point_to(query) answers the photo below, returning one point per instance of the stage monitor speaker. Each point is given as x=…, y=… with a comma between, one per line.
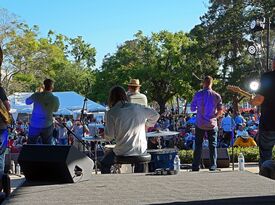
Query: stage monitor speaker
x=58, y=163
x=223, y=159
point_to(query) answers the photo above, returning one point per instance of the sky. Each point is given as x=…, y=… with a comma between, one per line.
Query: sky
x=106, y=24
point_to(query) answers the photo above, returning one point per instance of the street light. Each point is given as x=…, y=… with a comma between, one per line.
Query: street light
x=254, y=86
x=259, y=25
x=254, y=48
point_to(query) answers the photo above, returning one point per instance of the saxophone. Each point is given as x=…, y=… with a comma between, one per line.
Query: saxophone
x=4, y=113
x=39, y=89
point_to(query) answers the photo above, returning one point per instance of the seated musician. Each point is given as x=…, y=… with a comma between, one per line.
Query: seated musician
x=126, y=123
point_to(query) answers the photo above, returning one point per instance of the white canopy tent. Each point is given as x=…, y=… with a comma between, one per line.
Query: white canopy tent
x=70, y=102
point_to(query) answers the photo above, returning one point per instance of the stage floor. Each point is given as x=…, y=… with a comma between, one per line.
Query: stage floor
x=224, y=187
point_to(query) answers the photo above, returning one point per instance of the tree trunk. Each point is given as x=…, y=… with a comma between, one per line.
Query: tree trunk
x=235, y=105
x=185, y=108
x=161, y=107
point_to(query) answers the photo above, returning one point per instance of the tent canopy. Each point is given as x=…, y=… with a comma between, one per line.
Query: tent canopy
x=69, y=101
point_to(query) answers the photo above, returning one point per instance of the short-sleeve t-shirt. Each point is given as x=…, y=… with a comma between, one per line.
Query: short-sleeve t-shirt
x=267, y=89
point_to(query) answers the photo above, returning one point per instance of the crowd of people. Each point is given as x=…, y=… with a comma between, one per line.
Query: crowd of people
x=129, y=117
x=63, y=127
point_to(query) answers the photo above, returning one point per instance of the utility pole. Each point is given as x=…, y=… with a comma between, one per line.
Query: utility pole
x=267, y=43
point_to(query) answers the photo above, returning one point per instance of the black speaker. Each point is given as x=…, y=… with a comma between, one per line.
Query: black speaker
x=58, y=163
x=223, y=160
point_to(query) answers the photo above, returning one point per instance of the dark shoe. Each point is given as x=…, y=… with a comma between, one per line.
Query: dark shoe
x=195, y=169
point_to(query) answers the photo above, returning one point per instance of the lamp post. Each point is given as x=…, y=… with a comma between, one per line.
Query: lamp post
x=259, y=25
x=267, y=43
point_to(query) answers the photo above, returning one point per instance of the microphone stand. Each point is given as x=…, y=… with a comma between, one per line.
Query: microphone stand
x=69, y=131
x=82, y=117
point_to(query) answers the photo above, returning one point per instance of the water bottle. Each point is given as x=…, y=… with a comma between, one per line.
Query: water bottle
x=18, y=169
x=12, y=167
x=177, y=164
x=241, y=162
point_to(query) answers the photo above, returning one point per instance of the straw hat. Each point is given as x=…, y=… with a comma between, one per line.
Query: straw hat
x=134, y=83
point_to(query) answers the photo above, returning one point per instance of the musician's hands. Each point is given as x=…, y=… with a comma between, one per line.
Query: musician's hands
x=257, y=100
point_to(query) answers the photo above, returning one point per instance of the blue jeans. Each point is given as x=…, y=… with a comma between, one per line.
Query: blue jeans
x=266, y=143
x=212, y=139
x=63, y=141
x=4, y=143
x=44, y=133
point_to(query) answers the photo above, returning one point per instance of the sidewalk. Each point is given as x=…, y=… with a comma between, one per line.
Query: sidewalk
x=17, y=181
x=252, y=167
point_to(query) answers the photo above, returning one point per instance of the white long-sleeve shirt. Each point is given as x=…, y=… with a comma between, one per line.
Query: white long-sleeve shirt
x=126, y=124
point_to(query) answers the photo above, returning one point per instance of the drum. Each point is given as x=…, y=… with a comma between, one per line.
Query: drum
x=162, y=158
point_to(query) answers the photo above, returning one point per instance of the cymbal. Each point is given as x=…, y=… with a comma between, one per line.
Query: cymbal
x=161, y=133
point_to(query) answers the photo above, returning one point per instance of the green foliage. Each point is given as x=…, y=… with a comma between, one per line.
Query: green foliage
x=251, y=154
x=82, y=52
x=74, y=78
x=163, y=62
x=186, y=156
x=168, y=64
x=29, y=59
x=226, y=33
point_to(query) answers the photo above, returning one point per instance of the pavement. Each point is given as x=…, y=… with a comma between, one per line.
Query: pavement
x=222, y=187
x=252, y=167
x=17, y=181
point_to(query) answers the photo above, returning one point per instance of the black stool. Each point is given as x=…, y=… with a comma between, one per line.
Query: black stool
x=140, y=159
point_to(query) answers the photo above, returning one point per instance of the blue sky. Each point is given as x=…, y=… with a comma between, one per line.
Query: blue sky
x=105, y=24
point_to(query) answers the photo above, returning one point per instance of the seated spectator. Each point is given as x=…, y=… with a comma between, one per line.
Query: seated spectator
x=190, y=139
x=62, y=133
x=245, y=141
x=239, y=119
x=241, y=130
x=192, y=120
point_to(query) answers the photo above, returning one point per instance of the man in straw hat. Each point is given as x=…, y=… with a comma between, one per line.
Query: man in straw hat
x=134, y=96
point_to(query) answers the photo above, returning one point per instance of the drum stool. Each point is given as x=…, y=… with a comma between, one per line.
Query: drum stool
x=141, y=159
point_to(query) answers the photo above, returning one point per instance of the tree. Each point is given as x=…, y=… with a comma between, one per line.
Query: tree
x=227, y=34
x=28, y=59
x=164, y=63
x=29, y=56
x=75, y=78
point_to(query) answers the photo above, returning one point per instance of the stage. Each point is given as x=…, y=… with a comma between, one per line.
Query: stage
x=204, y=187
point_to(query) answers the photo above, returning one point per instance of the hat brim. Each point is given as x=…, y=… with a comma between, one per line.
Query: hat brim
x=244, y=137
x=134, y=85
